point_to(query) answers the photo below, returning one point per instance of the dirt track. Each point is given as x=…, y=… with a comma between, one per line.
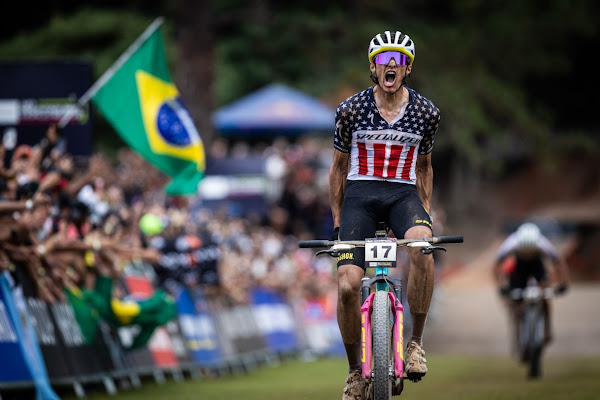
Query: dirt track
x=468, y=317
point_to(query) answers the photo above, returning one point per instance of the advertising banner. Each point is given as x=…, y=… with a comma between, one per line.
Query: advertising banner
x=198, y=328
x=52, y=350
x=83, y=358
x=35, y=94
x=275, y=320
x=178, y=342
x=320, y=326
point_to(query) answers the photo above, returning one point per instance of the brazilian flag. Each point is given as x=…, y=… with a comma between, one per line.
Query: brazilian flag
x=145, y=108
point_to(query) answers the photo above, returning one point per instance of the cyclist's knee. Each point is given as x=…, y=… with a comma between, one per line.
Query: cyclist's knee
x=417, y=232
x=349, y=280
x=418, y=260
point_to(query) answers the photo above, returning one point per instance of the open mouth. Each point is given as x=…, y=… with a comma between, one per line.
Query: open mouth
x=390, y=78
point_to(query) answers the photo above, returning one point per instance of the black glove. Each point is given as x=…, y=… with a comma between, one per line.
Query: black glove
x=336, y=233
x=504, y=291
x=562, y=288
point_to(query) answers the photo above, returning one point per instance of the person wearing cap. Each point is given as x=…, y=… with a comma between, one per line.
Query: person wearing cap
x=381, y=171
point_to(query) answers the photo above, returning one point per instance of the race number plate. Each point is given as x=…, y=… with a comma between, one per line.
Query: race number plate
x=380, y=252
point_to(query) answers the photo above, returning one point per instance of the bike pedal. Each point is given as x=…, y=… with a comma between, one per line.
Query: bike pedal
x=414, y=377
x=398, y=388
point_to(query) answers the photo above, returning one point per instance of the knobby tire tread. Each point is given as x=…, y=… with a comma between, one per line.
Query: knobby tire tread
x=380, y=320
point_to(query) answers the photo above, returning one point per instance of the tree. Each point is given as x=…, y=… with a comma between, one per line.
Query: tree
x=194, y=72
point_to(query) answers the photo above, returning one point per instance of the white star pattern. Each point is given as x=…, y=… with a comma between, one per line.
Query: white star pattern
x=358, y=113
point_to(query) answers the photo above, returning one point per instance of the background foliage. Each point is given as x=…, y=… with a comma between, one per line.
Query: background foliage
x=512, y=78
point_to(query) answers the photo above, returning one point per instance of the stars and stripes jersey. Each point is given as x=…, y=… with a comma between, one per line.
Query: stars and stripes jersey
x=382, y=150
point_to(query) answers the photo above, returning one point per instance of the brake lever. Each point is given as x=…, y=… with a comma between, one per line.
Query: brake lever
x=329, y=252
x=430, y=249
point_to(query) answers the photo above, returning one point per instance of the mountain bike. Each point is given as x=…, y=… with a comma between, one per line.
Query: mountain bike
x=532, y=322
x=382, y=340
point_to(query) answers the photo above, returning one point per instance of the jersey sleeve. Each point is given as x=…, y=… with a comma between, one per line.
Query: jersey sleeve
x=507, y=247
x=432, y=123
x=547, y=248
x=342, y=139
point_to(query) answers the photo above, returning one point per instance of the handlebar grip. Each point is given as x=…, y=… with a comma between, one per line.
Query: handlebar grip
x=449, y=239
x=314, y=243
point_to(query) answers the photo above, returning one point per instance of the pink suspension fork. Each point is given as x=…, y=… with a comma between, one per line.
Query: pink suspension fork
x=397, y=336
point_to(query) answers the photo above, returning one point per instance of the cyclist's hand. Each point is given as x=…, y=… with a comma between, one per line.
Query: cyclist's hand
x=504, y=291
x=336, y=233
x=562, y=288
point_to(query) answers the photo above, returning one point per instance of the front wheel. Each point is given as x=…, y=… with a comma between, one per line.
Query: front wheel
x=537, y=334
x=382, y=350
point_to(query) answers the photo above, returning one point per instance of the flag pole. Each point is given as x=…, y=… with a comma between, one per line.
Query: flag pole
x=87, y=96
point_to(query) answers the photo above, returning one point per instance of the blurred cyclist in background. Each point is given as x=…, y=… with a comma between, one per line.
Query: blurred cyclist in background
x=527, y=254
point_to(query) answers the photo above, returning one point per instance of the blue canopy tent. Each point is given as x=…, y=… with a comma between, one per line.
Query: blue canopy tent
x=274, y=110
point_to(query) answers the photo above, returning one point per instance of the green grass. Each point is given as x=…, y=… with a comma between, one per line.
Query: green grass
x=449, y=377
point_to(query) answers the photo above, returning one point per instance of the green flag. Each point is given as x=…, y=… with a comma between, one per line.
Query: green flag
x=144, y=107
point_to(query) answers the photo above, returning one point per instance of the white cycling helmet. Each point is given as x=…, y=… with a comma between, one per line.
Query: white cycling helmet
x=528, y=235
x=394, y=41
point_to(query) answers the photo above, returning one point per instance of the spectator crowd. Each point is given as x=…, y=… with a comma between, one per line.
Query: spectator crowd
x=67, y=221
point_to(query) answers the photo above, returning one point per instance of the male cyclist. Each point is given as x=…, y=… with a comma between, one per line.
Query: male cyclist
x=381, y=171
x=525, y=254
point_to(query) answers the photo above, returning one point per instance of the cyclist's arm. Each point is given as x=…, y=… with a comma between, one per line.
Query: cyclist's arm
x=562, y=270
x=424, y=173
x=504, y=251
x=558, y=262
x=337, y=184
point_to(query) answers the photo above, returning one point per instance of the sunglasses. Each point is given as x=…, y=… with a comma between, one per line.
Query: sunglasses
x=385, y=57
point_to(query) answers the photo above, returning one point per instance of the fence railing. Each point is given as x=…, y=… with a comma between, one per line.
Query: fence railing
x=49, y=346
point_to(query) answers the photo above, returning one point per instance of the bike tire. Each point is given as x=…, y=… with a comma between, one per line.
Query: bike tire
x=536, y=335
x=535, y=364
x=382, y=346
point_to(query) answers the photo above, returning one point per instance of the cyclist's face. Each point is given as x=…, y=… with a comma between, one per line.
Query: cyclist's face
x=391, y=75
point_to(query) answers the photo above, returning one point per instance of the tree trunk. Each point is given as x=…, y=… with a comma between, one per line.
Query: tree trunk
x=194, y=73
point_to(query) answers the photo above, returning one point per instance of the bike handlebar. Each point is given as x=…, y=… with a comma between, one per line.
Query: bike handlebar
x=448, y=239
x=315, y=243
x=401, y=242
x=536, y=293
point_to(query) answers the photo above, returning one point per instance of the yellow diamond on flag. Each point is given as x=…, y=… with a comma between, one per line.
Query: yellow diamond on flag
x=168, y=124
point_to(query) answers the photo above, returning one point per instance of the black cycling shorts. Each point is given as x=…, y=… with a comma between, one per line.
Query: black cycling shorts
x=366, y=203
x=525, y=269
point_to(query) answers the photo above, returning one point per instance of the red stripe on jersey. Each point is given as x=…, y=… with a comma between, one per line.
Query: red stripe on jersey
x=395, y=153
x=378, y=159
x=408, y=163
x=363, y=168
